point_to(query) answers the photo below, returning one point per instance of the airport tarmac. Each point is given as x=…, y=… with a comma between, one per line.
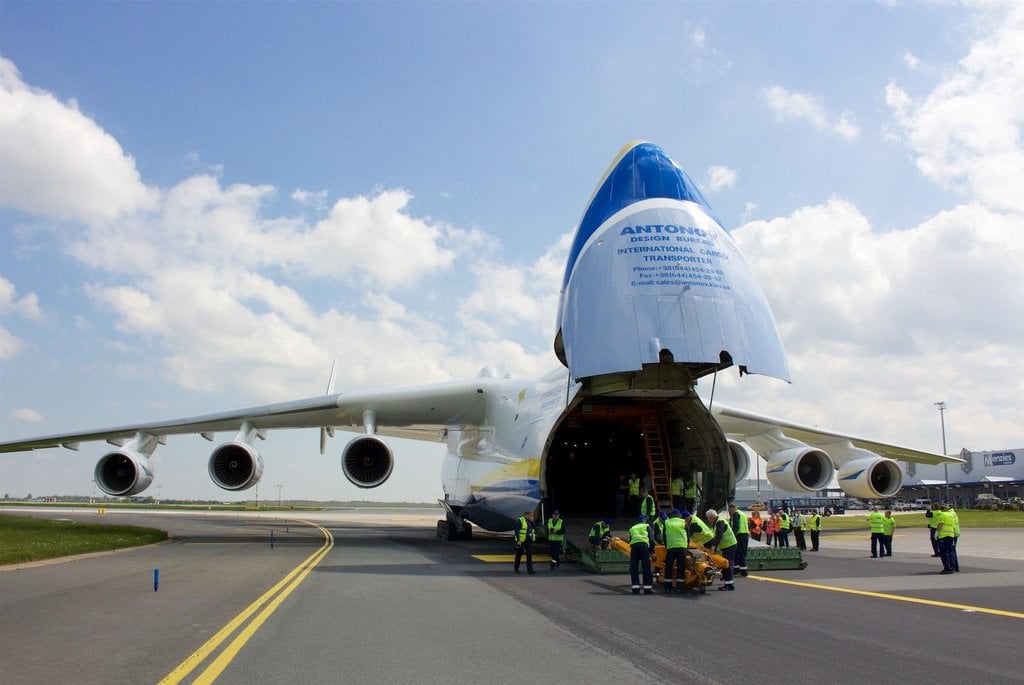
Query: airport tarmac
x=371, y=595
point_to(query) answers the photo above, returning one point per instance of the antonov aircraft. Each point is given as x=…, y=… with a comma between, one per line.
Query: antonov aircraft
x=656, y=295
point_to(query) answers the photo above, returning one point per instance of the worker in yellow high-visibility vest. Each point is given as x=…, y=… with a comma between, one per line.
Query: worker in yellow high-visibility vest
x=874, y=520
x=640, y=555
x=556, y=533
x=724, y=543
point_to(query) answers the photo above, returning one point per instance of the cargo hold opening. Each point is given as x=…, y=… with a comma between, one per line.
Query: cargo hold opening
x=594, y=446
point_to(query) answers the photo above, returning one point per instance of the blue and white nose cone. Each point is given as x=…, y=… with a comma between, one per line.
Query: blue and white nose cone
x=651, y=271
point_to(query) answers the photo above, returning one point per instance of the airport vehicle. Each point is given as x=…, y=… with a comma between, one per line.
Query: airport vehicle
x=834, y=505
x=921, y=503
x=656, y=296
x=987, y=501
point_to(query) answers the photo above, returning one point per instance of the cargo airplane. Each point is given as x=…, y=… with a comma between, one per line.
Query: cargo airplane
x=656, y=296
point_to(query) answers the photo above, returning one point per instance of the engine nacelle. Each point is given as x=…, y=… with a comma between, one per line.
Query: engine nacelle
x=740, y=460
x=123, y=473
x=800, y=469
x=870, y=478
x=235, y=466
x=367, y=461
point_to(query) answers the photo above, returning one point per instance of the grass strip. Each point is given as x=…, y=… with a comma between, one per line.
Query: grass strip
x=24, y=539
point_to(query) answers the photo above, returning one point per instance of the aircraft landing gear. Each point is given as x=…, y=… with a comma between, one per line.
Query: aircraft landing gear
x=454, y=528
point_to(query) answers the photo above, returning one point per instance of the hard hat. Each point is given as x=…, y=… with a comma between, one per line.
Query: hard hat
x=676, y=512
x=641, y=518
x=607, y=522
x=687, y=514
x=555, y=512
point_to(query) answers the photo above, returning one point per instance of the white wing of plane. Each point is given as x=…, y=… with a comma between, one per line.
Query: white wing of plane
x=749, y=427
x=417, y=413
x=420, y=413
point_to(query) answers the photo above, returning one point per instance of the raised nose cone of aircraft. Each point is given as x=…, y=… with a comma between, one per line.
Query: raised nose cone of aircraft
x=641, y=171
x=653, y=276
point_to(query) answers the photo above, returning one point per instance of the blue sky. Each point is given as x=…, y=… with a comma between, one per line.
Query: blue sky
x=202, y=204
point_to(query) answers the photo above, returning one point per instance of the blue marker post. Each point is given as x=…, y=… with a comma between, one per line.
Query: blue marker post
x=271, y=538
x=156, y=579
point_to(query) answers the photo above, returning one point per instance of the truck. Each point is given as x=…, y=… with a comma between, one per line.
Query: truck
x=987, y=501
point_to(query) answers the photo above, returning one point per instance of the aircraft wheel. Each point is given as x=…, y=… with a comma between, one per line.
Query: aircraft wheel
x=442, y=529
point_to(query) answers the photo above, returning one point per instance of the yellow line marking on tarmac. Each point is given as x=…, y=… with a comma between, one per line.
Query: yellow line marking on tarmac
x=898, y=598
x=277, y=594
x=502, y=558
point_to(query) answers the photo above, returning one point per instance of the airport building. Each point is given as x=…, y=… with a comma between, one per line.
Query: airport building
x=999, y=473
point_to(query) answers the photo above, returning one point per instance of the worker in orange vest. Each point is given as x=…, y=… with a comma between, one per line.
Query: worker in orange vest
x=755, y=525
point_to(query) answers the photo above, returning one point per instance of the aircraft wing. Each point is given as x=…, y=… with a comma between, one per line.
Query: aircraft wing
x=418, y=413
x=742, y=425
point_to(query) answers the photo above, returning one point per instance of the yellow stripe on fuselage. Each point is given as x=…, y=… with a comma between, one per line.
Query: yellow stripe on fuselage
x=525, y=468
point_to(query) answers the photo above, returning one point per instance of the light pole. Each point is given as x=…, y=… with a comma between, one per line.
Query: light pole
x=278, y=495
x=945, y=465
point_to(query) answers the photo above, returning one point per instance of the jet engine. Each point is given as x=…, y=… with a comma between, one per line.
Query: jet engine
x=123, y=473
x=367, y=461
x=799, y=469
x=235, y=466
x=870, y=477
x=740, y=460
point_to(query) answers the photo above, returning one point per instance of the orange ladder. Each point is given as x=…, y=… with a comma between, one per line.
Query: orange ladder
x=659, y=461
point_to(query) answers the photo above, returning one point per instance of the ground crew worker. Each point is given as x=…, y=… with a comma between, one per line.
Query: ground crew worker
x=696, y=529
x=675, y=550
x=933, y=522
x=945, y=530
x=724, y=543
x=647, y=506
x=633, y=496
x=956, y=538
x=658, y=529
x=784, y=526
x=677, y=492
x=640, y=555
x=556, y=533
x=874, y=519
x=525, y=534
x=741, y=528
x=888, y=528
x=814, y=524
x=797, y=521
x=601, y=534
x=690, y=493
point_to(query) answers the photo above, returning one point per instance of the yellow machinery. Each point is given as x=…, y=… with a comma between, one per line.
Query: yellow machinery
x=702, y=565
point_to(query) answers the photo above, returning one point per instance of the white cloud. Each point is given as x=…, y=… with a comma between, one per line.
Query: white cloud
x=27, y=415
x=27, y=306
x=10, y=344
x=966, y=133
x=883, y=324
x=509, y=297
x=910, y=60
x=789, y=105
x=59, y=163
x=720, y=177
x=305, y=197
